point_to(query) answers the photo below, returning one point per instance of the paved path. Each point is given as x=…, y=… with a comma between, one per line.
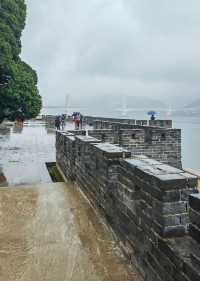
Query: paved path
x=23, y=153
x=49, y=232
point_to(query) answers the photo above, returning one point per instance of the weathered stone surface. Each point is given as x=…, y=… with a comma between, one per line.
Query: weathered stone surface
x=194, y=213
x=90, y=120
x=145, y=202
x=194, y=201
x=155, y=139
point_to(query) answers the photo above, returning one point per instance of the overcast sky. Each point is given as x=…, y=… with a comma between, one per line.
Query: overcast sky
x=131, y=47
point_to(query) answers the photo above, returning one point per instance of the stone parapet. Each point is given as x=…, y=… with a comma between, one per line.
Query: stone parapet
x=161, y=144
x=90, y=120
x=161, y=123
x=194, y=202
x=66, y=154
x=146, y=203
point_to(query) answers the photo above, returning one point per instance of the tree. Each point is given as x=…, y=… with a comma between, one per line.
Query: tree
x=21, y=96
x=18, y=81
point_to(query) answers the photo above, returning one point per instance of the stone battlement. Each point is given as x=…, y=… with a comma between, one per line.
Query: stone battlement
x=160, y=144
x=89, y=120
x=146, y=203
x=154, y=123
x=155, y=139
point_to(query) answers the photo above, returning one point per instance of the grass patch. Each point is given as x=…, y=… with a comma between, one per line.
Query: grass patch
x=54, y=172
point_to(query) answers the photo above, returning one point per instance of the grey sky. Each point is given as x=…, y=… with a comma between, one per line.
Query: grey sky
x=132, y=47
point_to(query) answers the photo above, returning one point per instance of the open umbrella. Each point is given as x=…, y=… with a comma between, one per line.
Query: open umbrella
x=151, y=112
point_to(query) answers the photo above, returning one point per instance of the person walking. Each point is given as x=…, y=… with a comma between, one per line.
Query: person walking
x=63, y=122
x=77, y=121
x=73, y=117
x=57, y=122
x=153, y=117
x=81, y=121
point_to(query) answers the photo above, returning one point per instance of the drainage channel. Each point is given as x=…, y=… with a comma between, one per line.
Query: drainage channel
x=54, y=172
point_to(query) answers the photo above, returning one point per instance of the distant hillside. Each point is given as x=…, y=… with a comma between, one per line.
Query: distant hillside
x=195, y=104
x=144, y=102
x=112, y=101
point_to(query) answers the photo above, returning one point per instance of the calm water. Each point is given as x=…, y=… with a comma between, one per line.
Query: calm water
x=190, y=141
x=190, y=130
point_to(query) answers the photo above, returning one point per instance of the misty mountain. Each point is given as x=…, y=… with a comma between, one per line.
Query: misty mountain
x=144, y=102
x=195, y=104
x=113, y=101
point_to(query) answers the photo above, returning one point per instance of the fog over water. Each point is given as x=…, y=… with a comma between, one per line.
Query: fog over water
x=89, y=55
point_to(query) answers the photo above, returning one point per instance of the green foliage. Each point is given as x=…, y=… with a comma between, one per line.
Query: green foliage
x=18, y=82
x=21, y=96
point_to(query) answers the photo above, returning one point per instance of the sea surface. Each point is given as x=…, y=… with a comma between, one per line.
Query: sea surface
x=190, y=127
x=190, y=140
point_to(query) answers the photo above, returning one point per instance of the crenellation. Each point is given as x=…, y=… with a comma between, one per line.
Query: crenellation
x=161, y=123
x=160, y=143
x=90, y=120
x=146, y=202
x=155, y=139
x=194, y=212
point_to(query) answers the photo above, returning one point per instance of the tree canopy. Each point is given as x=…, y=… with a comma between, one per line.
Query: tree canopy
x=18, y=81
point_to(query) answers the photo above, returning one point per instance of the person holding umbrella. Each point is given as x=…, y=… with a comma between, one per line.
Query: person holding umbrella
x=76, y=119
x=152, y=114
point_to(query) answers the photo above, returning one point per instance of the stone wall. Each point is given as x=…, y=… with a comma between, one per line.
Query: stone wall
x=89, y=120
x=195, y=216
x=161, y=144
x=155, y=123
x=145, y=202
x=65, y=144
x=105, y=135
x=161, y=123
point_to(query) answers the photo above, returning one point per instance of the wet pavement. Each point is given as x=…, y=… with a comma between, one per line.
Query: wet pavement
x=48, y=231
x=23, y=153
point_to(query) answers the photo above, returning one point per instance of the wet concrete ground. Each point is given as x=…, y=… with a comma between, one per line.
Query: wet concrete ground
x=49, y=231
x=23, y=153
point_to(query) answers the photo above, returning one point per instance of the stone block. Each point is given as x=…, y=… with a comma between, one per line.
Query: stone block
x=191, y=272
x=145, y=202
x=195, y=232
x=194, y=217
x=194, y=202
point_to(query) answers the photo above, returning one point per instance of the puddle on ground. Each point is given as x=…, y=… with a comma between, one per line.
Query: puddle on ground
x=23, y=153
x=49, y=231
